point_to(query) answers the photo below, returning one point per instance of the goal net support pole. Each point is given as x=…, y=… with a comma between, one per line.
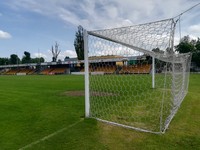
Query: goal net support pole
x=86, y=69
x=153, y=72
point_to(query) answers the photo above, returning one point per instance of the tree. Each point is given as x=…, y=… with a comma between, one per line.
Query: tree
x=66, y=58
x=14, y=59
x=196, y=58
x=196, y=54
x=186, y=45
x=79, y=43
x=37, y=60
x=4, y=61
x=158, y=63
x=55, y=52
x=26, y=58
x=59, y=61
x=190, y=45
x=198, y=44
x=156, y=50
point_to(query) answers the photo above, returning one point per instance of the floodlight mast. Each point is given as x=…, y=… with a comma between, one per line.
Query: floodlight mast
x=86, y=69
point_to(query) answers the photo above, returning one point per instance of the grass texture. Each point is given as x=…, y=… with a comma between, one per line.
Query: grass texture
x=34, y=107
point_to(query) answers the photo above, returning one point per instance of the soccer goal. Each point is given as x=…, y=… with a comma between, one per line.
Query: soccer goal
x=133, y=78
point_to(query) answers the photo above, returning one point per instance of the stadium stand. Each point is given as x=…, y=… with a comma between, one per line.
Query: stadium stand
x=106, y=69
x=12, y=72
x=32, y=71
x=3, y=71
x=101, y=64
x=46, y=71
x=53, y=71
x=136, y=69
x=131, y=69
x=58, y=71
x=91, y=69
x=26, y=71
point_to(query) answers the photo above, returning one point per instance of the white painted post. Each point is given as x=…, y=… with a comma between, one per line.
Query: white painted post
x=86, y=65
x=153, y=72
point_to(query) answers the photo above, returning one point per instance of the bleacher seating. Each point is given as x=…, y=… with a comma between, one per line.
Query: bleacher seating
x=46, y=71
x=32, y=71
x=136, y=69
x=53, y=71
x=26, y=71
x=58, y=71
x=106, y=69
x=132, y=69
x=19, y=71
x=12, y=72
x=3, y=71
x=91, y=69
x=94, y=68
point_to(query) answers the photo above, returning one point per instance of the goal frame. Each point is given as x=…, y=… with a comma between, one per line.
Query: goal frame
x=86, y=68
x=168, y=58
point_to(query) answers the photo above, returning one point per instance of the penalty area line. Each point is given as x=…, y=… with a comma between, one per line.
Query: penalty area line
x=49, y=136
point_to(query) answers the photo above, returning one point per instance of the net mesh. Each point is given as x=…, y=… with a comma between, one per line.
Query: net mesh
x=125, y=87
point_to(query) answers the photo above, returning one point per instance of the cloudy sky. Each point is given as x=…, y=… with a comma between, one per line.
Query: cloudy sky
x=35, y=25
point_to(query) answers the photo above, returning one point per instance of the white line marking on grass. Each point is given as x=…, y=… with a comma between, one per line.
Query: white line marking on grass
x=49, y=136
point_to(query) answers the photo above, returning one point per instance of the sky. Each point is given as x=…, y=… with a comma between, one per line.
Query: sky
x=35, y=25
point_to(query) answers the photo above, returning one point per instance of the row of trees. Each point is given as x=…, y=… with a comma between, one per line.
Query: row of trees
x=14, y=59
x=78, y=44
x=186, y=45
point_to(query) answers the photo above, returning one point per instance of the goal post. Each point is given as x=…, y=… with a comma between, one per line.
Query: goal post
x=153, y=72
x=133, y=78
x=86, y=68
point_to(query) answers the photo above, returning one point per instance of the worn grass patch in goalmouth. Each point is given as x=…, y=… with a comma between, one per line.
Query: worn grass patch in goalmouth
x=93, y=93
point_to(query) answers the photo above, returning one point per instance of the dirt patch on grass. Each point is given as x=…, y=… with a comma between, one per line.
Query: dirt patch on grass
x=74, y=93
x=82, y=93
x=94, y=93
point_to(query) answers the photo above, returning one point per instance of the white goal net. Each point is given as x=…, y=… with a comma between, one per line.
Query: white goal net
x=133, y=77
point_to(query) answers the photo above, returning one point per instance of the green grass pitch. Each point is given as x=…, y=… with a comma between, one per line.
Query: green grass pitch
x=131, y=100
x=33, y=107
